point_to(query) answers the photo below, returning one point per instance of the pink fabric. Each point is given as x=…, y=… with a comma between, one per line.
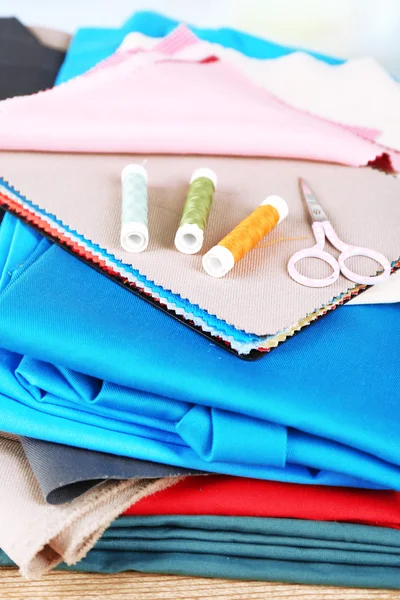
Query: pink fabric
x=151, y=102
x=359, y=95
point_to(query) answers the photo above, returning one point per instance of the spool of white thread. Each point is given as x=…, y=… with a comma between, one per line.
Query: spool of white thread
x=189, y=237
x=218, y=261
x=134, y=230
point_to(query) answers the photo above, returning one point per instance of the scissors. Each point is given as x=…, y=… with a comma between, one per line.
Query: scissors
x=321, y=228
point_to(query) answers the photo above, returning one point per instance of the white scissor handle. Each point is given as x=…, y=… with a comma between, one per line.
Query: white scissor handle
x=321, y=228
x=348, y=251
x=314, y=252
x=364, y=279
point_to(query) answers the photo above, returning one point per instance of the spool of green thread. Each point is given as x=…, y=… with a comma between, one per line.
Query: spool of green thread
x=190, y=235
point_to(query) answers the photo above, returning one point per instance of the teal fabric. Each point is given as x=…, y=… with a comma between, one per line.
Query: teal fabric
x=288, y=550
x=91, y=45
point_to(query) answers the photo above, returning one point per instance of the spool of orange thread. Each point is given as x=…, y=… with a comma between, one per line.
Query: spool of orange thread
x=222, y=258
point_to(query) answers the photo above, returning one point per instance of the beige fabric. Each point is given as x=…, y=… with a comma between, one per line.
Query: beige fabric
x=37, y=536
x=258, y=295
x=52, y=38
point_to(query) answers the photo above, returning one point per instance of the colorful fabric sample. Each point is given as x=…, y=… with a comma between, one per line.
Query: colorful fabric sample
x=233, y=309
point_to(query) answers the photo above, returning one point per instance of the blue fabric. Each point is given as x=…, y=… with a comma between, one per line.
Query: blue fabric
x=91, y=45
x=85, y=362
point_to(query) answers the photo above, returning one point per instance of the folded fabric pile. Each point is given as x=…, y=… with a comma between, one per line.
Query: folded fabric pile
x=115, y=411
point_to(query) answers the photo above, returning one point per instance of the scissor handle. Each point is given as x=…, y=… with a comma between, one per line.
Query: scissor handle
x=364, y=279
x=320, y=229
x=314, y=252
x=347, y=250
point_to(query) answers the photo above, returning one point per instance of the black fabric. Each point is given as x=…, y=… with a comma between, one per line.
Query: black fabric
x=64, y=472
x=22, y=53
x=12, y=29
x=26, y=66
x=21, y=80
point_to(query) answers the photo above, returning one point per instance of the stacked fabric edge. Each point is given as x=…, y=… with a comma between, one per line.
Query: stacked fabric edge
x=129, y=441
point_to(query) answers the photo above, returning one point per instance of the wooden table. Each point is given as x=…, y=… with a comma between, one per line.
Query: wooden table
x=134, y=586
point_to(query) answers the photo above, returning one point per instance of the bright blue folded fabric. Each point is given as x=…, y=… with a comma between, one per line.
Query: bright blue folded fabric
x=92, y=45
x=87, y=363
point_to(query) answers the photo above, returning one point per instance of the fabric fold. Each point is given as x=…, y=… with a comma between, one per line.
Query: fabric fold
x=152, y=366
x=38, y=536
x=244, y=497
x=135, y=84
x=366, y=87
x=66, y=472
x=288, y=550
x=209, y=432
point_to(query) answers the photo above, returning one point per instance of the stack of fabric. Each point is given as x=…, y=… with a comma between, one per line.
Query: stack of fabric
x=132, y=442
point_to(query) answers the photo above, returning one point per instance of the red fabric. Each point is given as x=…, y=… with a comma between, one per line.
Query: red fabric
x=237, y=496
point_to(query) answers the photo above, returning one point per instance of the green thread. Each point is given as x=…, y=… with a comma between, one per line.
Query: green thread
x=198, y=203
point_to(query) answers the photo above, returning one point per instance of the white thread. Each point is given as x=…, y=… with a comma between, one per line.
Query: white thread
x=189, y=238
x=218, y=261
x=279, y=203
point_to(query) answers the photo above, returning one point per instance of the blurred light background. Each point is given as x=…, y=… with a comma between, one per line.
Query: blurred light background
x=344, y=28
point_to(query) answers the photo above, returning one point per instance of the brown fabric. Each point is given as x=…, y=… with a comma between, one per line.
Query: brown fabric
x=258, y=295
x=52, y=38
x=38, y=536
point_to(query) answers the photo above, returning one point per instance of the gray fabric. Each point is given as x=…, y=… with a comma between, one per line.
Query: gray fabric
x=257, y=295
x=65, y=473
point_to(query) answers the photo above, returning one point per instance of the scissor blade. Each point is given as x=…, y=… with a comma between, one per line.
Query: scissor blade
x=314, y=207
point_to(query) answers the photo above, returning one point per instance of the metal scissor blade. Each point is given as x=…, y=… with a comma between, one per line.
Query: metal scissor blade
x=315, y=209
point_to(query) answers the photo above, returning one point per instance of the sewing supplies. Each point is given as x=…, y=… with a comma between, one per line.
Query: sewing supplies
x=190, y=234
x=134, y=230
x=244, y=237
x=321, y=228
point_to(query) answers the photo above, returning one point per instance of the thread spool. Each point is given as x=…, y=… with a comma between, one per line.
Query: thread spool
x=190, y=234
x=134, y=230
x=222, y=258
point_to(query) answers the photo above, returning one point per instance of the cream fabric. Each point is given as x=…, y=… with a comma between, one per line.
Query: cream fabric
x=52, y=38
x=37, y=536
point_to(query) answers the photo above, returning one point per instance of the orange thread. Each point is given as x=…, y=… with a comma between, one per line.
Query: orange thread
x=284, y=239
x=250, y=231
